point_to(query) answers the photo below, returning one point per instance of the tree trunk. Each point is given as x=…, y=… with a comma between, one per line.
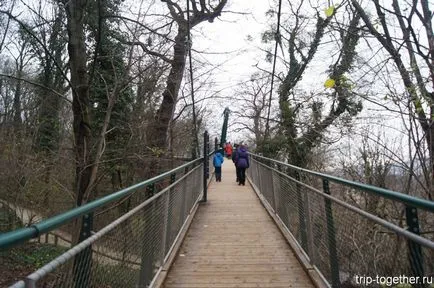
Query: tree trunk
x=47, y=139
x=300, y=147
x=18, y=90
x=75, y=10
x=17, y=105
x=158, y=135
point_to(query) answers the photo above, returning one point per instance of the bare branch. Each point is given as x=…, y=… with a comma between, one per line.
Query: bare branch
x=38, y=85
x=25, y=28
x=144, y=48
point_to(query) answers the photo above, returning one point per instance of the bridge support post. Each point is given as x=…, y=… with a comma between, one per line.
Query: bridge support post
x=167, y=223
x=216, y=145
x=83, y=261
x=415, y=250
x=150, y=191
x=301, y=215
x=331, y=237
x=147, y=255
x=309, y=230
x=183, y=203
x=205, y=165
x=273, y=191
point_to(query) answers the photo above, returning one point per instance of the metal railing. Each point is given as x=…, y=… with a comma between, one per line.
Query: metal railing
x=22, y=235
x=131, y=250
x=350, y=232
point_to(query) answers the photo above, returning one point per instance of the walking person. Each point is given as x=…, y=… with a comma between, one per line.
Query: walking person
x=218, y=161
x=242, y=162
x=234, y=157
x=228, y=150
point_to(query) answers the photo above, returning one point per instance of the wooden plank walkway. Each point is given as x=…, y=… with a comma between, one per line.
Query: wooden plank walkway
x=233, y=242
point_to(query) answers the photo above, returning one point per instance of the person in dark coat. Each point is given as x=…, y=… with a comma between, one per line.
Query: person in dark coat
x=234, y=157
x=242, y=163
x=218, y=161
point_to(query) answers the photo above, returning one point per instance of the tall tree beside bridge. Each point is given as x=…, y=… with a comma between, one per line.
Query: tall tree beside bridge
x=301, y=130
x=107, y=77
x=412, y=52
x=200, y=12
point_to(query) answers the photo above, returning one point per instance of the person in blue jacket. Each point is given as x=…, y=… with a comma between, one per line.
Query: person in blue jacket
x=218, y=161
x=242, y=163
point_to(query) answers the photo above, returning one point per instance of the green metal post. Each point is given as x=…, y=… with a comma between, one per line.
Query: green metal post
x=147, y=254
x=415, y=250
x=83, y=261
x=301, y=214
x=150, y=190
x=273, y=192
x=209, y=167
x=183, y=205
x=331, y=235
x=225, y=126
x=260, y=168
x=205, y=165
x=168, y=228
x=216, y=145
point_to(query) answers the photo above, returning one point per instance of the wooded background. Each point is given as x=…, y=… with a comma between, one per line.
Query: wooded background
x=96, y=95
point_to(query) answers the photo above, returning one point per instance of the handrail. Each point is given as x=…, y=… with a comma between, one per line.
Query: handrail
x=24, y=234
x=395, y=228
x=390, y=194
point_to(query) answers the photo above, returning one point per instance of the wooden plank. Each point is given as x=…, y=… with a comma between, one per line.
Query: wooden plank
x=314, y=275
x=237, y=267
x=233, y=242
x=238, y=285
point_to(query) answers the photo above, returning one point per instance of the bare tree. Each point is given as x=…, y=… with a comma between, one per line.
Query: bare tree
x=5, y=22
x=253, y=107
x=200, y=12
x=419, y=53
x=301, y=137
x=75, y=12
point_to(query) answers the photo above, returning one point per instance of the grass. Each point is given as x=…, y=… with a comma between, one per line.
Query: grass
x=37, y=256
x=18, y=262
x=115, y=276
x=21, y=261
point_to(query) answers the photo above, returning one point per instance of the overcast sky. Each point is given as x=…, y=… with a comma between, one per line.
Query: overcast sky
x=228, y=35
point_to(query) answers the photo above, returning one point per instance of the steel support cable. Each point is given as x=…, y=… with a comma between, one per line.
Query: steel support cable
x=189, y=45
x=277, y=37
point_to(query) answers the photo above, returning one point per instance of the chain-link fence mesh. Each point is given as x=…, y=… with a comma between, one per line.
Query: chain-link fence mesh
x=345, y=232
x=129, y=251
x=211, y=165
